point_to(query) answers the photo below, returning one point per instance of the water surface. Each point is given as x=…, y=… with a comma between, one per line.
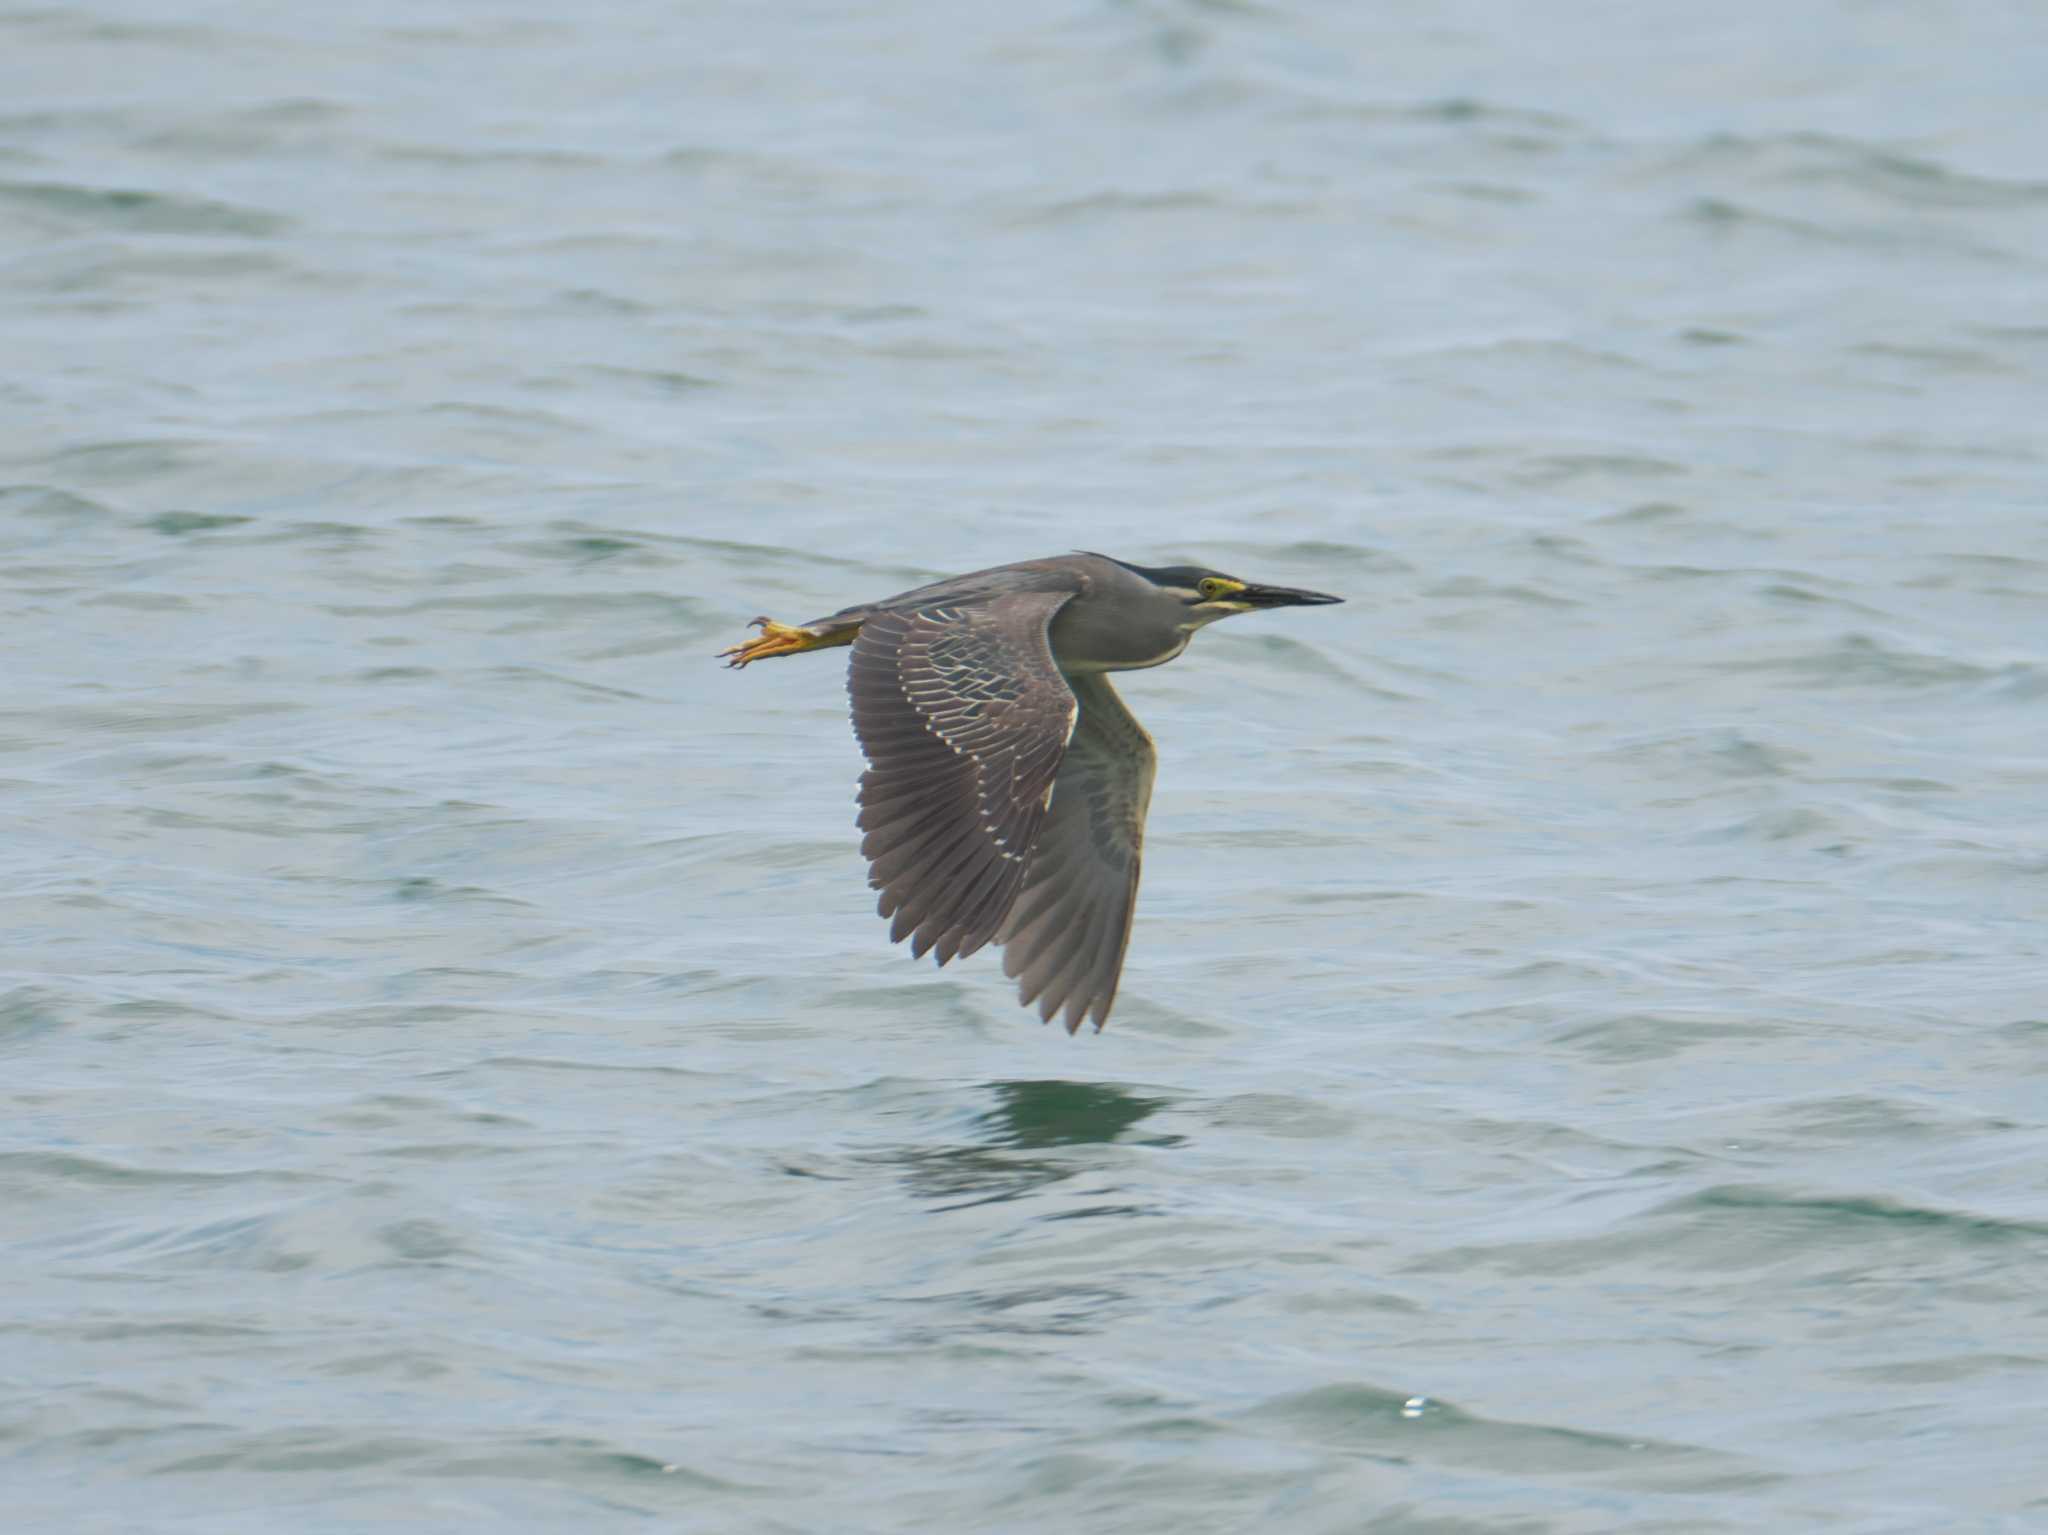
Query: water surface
x=1580, y=1062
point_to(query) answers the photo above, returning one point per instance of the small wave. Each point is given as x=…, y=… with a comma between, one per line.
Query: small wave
x=28, y=1012
x=51, y=502
x=1858, y=1216
x=252, y=130
x=1723, y=751
x=1449, y=111
x=546, y=1458
x=1729, y=215
x=525, y=157
x=132, y=209
x=51, y=1172
x=1807, y=159
x=1629, y=1037
x=1940, y=360
x=1373, y=1419
x=1115, y=204
x=178, y=524
x=1859, y=660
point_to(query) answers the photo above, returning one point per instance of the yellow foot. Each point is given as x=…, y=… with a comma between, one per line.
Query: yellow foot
x=775, y=640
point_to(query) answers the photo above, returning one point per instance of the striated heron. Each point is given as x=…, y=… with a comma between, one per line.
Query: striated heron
x=1006, y=789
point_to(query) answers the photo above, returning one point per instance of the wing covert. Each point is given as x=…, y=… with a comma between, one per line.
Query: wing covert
x=964, y=718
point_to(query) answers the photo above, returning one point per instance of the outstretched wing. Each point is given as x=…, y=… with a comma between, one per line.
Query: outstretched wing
x=964, y=718
x=1065, y=936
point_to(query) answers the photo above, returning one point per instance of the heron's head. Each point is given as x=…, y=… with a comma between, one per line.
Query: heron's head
x=1207, y=595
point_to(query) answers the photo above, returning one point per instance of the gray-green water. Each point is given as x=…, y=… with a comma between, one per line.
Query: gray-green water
x=1581, y=1061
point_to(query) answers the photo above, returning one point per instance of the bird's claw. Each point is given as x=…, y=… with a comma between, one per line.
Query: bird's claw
x=774, y=640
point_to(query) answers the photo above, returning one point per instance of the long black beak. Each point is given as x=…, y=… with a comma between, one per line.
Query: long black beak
x=1282, y=597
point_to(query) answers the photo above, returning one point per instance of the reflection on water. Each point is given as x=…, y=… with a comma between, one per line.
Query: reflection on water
x=1032, y=1116
x=1059, y=1113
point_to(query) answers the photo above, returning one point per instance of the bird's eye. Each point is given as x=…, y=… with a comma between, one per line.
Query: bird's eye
x=1211, y=588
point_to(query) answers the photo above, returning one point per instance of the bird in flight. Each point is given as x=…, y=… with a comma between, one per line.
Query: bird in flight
x=1007, y=784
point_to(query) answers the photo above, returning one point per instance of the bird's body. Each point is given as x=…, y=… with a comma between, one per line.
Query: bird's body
x=1007, y=785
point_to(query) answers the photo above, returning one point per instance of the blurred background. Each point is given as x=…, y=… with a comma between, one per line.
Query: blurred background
x=1580, y=1061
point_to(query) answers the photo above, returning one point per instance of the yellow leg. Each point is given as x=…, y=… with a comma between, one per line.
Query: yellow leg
x=785, y=640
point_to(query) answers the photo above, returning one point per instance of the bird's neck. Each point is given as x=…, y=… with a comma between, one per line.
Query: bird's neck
x=1138, y=663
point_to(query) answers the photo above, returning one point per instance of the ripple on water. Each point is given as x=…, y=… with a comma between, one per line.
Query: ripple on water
x=1798, y=1239
x=1372, y=1420
x=66, y=207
